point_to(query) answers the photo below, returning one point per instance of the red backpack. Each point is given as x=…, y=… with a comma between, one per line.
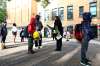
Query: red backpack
x=78, y=32
x=30, y=28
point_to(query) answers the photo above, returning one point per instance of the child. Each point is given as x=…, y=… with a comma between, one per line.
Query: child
x=22, y=35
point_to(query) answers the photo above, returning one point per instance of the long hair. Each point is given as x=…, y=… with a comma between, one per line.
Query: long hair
x=57, y=21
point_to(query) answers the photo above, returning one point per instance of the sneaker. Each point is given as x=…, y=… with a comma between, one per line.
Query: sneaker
x=85, y=63
x=31, y=52
x=36, y=47
x=87, y=60
x=40, y=47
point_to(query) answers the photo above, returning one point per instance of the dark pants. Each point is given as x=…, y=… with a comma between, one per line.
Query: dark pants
x=22, y=38
x=38, y=42
x=3, y=39
x=59, y=44
x=54, y=36
x=30, y=44
x=84, y=48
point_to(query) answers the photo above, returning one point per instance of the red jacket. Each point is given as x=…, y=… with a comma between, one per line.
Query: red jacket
x=32, y=26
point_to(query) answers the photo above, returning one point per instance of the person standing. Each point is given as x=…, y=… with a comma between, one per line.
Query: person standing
x=14, y=31
x=58, y=24
x=39, y=26
x=22, y=35
x=3, y=34
x=86, y=32
x=31, y=29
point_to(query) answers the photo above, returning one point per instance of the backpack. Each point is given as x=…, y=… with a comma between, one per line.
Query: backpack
x=36, y=35
x=78, y=32
x=26, y=34
x=30, y=28
x=39, y=26
x=92, y=32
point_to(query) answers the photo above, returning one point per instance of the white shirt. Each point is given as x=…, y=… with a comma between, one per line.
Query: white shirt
x=14, y=29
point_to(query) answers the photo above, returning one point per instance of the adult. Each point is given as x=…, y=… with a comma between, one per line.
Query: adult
x=58, y=26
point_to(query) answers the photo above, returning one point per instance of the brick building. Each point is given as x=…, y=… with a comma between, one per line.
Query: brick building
x=70, y=11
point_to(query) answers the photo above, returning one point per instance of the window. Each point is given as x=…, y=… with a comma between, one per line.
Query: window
x=54, y=13
x=69, y=12
x=46, y=16
x=61, y=13
x=93, y=9
x=81, y=11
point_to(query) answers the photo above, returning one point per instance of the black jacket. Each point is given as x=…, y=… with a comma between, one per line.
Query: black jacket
x=59, y=25
x=3, y=30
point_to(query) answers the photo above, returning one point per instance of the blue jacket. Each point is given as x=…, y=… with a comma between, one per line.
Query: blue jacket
x=87, y=31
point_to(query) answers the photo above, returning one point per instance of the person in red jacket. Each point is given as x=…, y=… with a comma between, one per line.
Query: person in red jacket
x=31, y=29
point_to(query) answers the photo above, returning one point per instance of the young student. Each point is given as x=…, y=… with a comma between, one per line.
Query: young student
x=39, y=26
x=14, y=31
x=31, y=30
x=22, y=35
x=86, y=31
x=3, y=34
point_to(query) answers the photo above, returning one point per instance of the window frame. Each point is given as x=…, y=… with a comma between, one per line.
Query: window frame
x=59, y=9
x=71, y=6
x=93, y=6
x=80, y=15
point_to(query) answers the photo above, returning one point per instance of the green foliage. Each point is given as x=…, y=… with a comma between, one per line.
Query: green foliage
x=45, y=3
x=2, y=15
x=3, y=10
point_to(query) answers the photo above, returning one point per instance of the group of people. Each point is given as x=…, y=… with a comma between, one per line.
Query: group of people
x=36, y=25
x=4, y=32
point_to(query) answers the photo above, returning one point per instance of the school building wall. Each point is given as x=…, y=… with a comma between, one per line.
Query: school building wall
x=56, y=4
x=20, y=11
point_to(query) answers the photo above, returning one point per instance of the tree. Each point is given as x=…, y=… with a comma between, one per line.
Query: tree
x=3, y=13
x=44, y=2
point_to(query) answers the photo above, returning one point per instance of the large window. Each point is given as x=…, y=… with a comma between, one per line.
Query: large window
x=93, y=9
x=81, y=9
x=69, y=12
x=54, y=13
x=61, y=13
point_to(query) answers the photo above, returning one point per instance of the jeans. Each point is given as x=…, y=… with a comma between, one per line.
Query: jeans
x=84, y=47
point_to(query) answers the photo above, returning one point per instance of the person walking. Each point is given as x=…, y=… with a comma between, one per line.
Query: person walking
x=58, y=26
x=14, y=31
x=3, y=34
x=39, y=26
x=31, y=29
x=86, y=32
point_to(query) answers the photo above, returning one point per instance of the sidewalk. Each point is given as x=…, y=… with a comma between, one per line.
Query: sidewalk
x=20, y=46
